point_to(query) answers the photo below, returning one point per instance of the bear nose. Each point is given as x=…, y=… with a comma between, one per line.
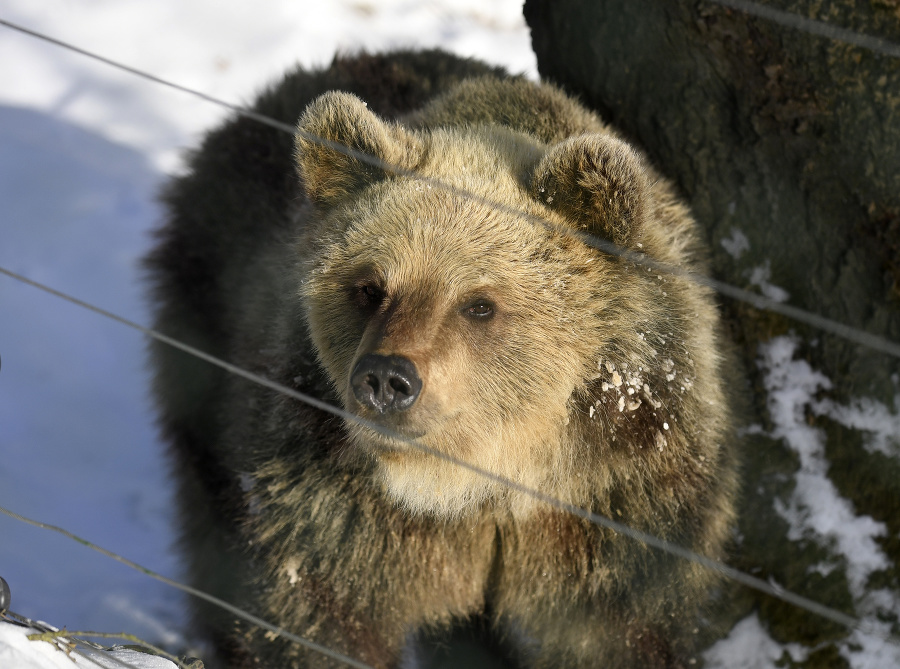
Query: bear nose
x=385, y=382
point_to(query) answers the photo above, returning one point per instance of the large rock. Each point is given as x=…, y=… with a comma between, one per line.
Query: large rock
x=787, y=146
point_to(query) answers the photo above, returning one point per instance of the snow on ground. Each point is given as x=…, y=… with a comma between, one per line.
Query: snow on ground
x=759, y=277
x=83, y=150
x=880, y=425
x=77, y=445
x=19, y=652
x=749, y=646
x=226, y=49
x=816, y=511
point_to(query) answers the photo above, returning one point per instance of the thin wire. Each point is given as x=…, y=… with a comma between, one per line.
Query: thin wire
x=597, y=519
x=240, y=613
x=812, y=26
x=837, y=328
x=754, y=299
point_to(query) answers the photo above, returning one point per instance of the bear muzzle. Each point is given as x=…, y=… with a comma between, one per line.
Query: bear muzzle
x=385, y=383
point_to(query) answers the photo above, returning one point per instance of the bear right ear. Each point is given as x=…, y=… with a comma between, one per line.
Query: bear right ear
x=598, y=183
x=343, y=121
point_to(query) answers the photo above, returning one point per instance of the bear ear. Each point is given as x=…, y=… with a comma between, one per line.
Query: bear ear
x=598, y=183
x=343, y=120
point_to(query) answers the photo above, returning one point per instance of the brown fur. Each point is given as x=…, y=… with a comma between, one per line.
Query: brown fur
x=594, y=380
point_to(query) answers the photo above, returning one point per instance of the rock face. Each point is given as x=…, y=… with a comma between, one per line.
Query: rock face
x=787, y=146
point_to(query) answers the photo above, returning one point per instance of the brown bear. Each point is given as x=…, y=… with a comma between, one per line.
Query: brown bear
x=441, y=295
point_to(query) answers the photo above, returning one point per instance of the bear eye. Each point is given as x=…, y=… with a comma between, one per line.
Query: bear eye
x=479, y=309
x=369, y=295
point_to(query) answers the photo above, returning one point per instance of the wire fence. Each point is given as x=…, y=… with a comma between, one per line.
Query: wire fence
x=755, y=300
x=814, y=27
x=842, y=330
x=215, y=601
x=597, y=519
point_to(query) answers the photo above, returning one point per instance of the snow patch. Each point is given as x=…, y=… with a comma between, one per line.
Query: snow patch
x=815, y=510
x=759, y=277
x=881, y=424
x=749, y=646
x=737, y=244
x=17, y=651
x=871, y=648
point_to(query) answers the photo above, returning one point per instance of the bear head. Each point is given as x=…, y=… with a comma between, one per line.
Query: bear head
x=446, y=300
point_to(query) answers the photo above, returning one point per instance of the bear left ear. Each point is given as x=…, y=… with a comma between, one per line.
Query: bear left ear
x=343, y=121
x=597, y=183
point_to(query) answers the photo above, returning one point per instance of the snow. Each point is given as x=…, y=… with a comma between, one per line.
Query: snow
x=815, y=510
x=749, y=646
x=19, y=652
x=228, y=50
x=759, y=276
x=78, y=446
x=736, y=244
x=879, y=424
x=83, y=151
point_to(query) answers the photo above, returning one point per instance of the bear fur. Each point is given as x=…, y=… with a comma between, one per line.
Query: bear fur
x=439, y=294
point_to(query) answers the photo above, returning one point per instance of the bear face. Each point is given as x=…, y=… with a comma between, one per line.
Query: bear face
x=423, y=300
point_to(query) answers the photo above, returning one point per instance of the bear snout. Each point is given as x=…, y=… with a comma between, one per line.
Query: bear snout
x=385, y=382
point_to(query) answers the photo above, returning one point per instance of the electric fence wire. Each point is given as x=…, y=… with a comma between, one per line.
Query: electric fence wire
x=240, y=613
x=814, y=27
x=756, y=300
x=595, y=518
